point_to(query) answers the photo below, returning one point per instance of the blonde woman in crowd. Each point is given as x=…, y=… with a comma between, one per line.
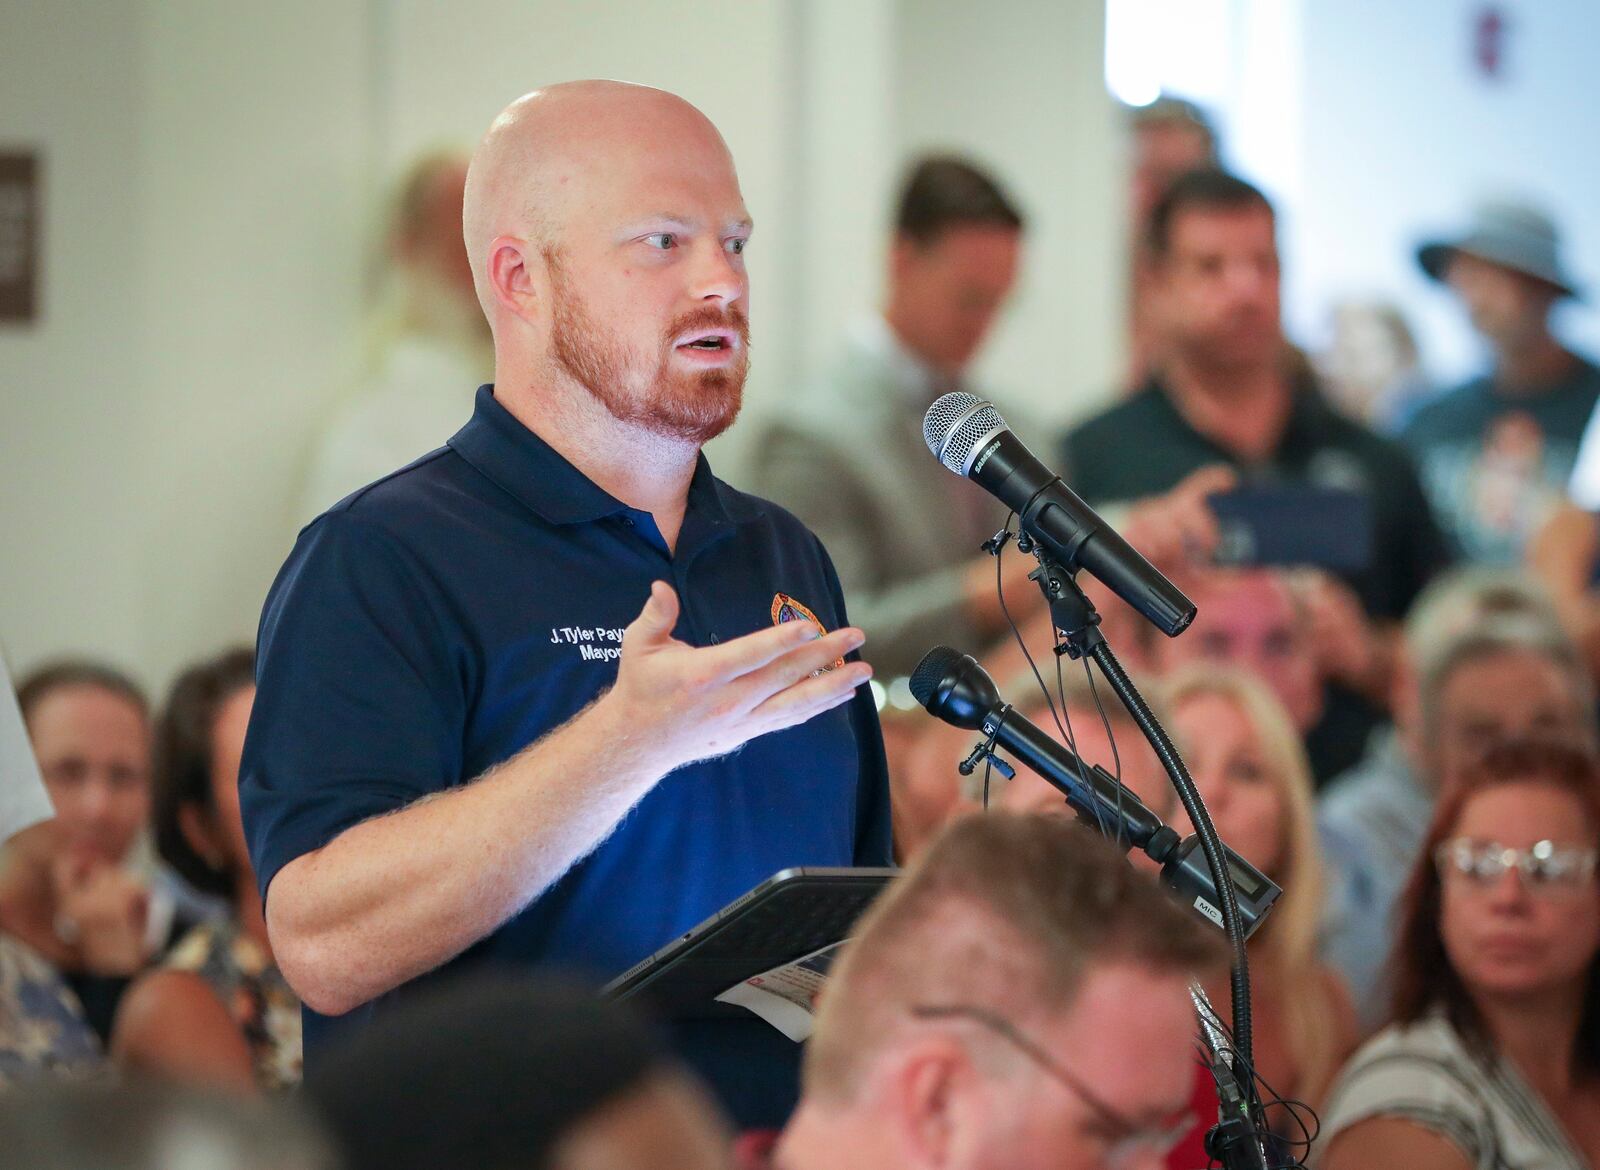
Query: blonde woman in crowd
x=1250, y=768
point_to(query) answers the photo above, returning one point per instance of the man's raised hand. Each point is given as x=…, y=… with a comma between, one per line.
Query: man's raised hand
x=1177, y=527
x=677, y=703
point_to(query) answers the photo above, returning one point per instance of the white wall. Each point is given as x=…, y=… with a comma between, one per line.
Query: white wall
x=1021, y=86
x=250, y=278
x=212, y=168
x=1416, y=113
x=69, y=391
x=205, y=170
x=1376, y=127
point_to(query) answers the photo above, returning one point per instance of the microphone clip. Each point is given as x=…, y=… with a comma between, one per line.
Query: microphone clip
x=997, y=542
x=1071, y=611
x=984, y=750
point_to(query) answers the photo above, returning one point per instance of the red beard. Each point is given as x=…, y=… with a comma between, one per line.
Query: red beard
x=693, y=405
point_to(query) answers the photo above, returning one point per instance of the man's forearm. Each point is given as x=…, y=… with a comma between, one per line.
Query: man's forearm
x=393, y=897
x=396, y=896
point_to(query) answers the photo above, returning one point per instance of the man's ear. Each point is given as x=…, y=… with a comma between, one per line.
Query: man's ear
x=517, y=276
x=904, y=253
x=929, y=1082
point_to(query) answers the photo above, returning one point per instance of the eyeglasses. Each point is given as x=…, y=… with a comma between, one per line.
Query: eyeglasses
x=1130, y=1139
x=1544, y=866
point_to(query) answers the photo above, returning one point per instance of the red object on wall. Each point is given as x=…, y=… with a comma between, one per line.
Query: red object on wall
x=1489, y=42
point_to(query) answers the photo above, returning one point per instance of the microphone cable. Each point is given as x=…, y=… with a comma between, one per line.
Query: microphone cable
x=996, y=546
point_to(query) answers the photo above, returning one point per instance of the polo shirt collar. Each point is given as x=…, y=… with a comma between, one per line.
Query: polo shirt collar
x=914, y=378
x=1304, y=430
x=527, y=468
x=714, y=500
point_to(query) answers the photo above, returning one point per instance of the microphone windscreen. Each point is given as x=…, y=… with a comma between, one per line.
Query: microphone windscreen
x=931, y=671
x=955, y=424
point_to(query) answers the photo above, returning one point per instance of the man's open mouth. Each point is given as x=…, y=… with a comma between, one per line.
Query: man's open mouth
x=708, y=341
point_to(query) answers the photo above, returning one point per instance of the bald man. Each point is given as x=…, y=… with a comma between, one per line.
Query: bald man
x=554, y=693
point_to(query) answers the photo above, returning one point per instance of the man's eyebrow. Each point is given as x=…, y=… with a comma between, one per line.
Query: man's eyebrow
x=671, y=219
x=657, y=221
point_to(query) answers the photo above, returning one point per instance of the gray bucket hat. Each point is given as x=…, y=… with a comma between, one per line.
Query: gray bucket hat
x=1512, y=235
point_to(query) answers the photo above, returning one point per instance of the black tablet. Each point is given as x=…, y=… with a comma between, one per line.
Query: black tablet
x=787, y=916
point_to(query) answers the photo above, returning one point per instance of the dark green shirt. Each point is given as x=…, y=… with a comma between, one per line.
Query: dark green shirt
x=1144, y=446
x=1494, y=464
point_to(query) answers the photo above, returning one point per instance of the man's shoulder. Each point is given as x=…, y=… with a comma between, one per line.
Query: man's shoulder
x=747, y=508
x=1464, y=406
x=1378, y=807
x=1356, y=799
x=1582, y=391
x=841, y=432
x=410, y=507
x=1121, y=421
x=852, y=396
x=427, y=484
x=1126, y=450
x=1588, y=372
x=1385, y=457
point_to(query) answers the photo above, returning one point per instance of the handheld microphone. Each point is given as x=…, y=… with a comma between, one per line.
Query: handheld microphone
x=969, y=437
x=953, y=687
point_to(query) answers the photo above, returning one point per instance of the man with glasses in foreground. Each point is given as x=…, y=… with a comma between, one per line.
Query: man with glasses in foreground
x=1017, y=999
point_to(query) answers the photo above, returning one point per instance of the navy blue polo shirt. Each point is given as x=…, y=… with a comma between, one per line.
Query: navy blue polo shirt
x=437, y=622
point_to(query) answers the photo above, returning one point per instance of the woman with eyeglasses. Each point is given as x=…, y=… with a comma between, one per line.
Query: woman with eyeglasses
x=1493, y=1058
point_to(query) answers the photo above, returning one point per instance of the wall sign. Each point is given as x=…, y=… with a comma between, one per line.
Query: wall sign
x=1489, y=31
x=19, y=236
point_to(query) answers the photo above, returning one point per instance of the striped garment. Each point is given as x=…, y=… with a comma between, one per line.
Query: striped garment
x=1424, y=1073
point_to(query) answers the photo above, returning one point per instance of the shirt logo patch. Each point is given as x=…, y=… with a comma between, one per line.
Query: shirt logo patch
x=787, y=609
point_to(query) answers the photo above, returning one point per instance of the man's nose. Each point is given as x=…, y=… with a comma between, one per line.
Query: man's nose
x=94, y=801
x=718, y=274
x=1215, y=787
x=1246, y=279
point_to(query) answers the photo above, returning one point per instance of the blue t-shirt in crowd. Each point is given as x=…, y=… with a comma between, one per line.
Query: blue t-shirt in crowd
x=436, y=623
x=1496, y=464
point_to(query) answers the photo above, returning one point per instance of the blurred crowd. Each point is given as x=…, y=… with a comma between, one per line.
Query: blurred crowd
x=1387, y=703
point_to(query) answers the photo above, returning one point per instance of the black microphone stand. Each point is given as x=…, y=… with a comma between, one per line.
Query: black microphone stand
x=1075, y=618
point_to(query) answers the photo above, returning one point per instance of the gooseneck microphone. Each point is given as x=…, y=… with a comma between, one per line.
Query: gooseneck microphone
x=952, y=686
x=969, y=437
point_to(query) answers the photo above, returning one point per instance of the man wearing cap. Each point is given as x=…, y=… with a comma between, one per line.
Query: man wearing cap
x=1496, y=452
